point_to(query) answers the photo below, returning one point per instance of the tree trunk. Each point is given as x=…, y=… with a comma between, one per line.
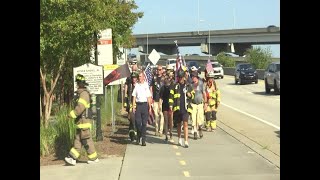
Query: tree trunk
x=48, y=94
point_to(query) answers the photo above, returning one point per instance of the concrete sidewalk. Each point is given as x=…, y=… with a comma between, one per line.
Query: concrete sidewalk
x=217, y=156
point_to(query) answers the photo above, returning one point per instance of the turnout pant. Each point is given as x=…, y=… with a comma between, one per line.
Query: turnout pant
x=83, y=138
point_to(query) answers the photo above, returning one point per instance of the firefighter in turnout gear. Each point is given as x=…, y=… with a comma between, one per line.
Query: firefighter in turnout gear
x=83, y=124
x=212, y=102
x=132, y=126
x=180, y=103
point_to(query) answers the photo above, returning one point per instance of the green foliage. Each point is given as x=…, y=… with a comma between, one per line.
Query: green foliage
x=47, y=139
x=67, y=35
x=226, y=61
x=106, y=113
x=258, y=57
x=58, y=137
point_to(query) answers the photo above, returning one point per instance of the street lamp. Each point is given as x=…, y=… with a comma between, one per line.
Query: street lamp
x=198, y=17
x=233, y=13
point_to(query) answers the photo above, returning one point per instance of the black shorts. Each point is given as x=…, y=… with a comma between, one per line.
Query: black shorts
x=179, y=116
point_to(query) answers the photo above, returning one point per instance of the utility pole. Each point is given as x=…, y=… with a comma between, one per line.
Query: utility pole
x=99, y=136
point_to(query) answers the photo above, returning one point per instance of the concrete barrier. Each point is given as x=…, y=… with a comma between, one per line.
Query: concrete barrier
x=230, y=71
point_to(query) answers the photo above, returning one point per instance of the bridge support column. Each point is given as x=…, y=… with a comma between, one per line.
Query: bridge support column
x=214, y=48
x=241, y=48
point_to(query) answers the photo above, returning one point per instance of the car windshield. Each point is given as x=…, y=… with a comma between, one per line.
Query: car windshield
x=245, y=66
x=192, y=64
x=172, y=61
x=277, y=67
x=216, y=65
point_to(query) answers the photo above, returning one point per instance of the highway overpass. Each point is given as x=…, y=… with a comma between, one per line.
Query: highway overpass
x=220, y=40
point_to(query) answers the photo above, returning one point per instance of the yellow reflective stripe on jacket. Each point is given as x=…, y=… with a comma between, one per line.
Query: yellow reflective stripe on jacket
x=84, y=102
x=218, y=95
x=176, y=108
x=84, y=126
x=189, y=110
x=170, y=101
x=171, y=91
x=212, y=102
x=93, y=155
x=73, y=114
x=75, y=152
x=176, y=96
x=212, y=95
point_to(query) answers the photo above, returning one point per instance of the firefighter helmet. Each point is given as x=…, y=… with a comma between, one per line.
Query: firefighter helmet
x=134, y=74
x=81, y=79
x=181, y=73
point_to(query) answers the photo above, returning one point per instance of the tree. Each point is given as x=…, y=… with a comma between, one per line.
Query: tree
x=258, y=57
x=226, y=61
x=66, y=38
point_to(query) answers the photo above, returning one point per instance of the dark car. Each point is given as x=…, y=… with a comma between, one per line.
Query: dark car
x=272, y=77
x=193, y=63
x=245, y=73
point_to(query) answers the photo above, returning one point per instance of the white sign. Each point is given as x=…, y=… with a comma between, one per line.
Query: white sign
x=154, y=56
x=105, y=47
x=93, y=75
x=122, y=59
x=108, y=69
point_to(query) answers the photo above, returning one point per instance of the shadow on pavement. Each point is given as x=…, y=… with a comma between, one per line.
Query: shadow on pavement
x=264, y=93
x=118, y=136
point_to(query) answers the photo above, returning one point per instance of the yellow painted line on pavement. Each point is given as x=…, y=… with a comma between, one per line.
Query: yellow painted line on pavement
x=178, y=154
x=186, y=173
x=183, y=163
x=175, y=147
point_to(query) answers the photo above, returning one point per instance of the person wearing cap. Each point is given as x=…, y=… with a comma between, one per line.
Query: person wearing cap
x=197, y=115
x=133, y=68
x=179, y=103
x=156, y=84
x=83, y=125
x=132, y=127
x=212, y=101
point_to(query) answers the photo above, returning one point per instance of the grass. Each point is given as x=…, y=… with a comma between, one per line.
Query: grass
x=106, y=111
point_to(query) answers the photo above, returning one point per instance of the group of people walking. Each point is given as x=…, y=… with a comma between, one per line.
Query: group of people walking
x=174, y=98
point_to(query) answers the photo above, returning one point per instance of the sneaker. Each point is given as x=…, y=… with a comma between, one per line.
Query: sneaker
x=70, y=161
x=93, y=161
x=171, y=140
x=186, y=144
x=180, y=141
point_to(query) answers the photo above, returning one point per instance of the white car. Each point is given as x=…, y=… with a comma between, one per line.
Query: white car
x=217, y=70
x=171, y=63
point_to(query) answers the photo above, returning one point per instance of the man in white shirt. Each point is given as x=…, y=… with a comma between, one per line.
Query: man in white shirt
x=141, y=107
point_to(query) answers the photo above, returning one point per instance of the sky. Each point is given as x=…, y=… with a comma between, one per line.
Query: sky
x=167, y=16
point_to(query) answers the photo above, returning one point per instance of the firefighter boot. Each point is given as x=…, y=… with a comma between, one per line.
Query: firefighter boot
x=208, y=125
x=70, y=160
x=213, y=124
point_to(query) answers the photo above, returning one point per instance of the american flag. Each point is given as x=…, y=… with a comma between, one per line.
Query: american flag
x=148, y=74
x=209, y=66
x=178, y=61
